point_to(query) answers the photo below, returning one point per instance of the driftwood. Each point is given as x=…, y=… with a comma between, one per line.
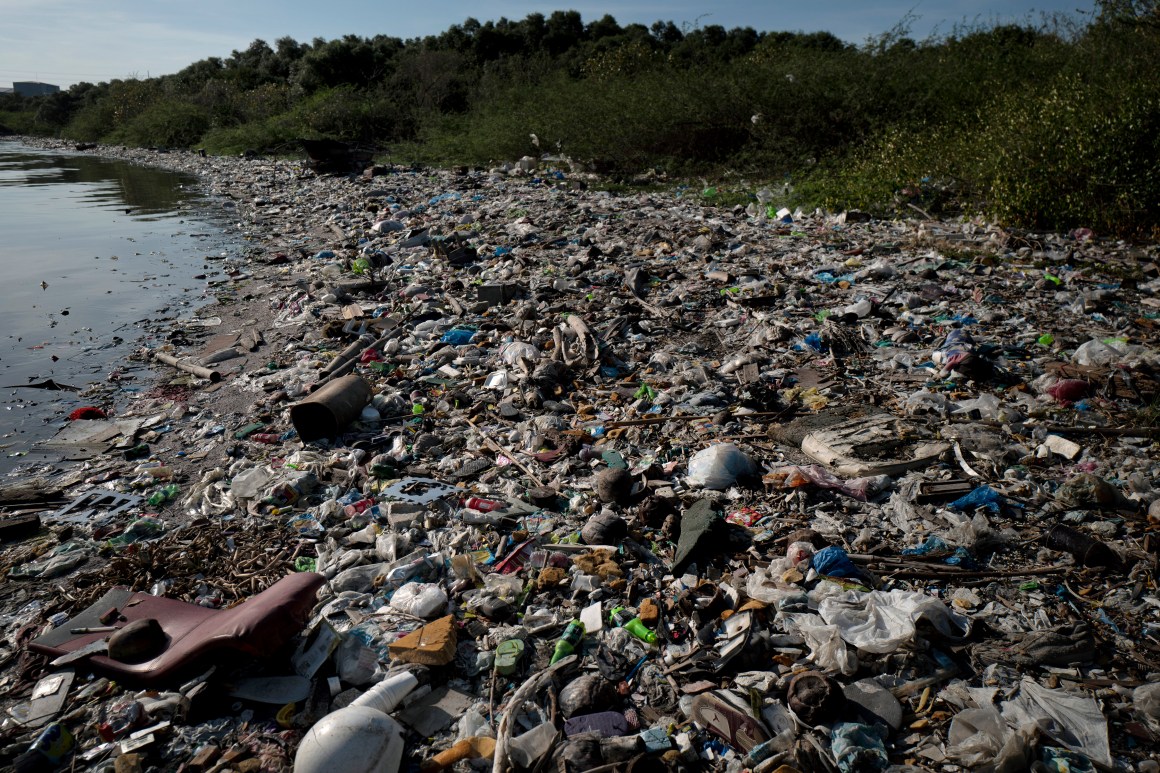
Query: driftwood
x=494, y=446
x=919, y=568
x=189, y=367
x=29, y=492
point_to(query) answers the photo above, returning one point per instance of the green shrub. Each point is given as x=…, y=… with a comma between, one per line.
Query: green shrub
x=17, y=122
x=165, y=124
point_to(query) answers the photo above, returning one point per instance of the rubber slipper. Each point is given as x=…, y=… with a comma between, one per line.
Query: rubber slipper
x=507, y=656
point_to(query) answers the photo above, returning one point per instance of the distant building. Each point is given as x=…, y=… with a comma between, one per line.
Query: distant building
x=34, y=89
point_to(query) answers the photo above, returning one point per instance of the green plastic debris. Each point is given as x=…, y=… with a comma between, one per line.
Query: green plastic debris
x=646, y=393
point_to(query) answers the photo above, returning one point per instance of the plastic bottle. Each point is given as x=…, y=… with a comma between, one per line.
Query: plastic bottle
x=48, y=751
x=387, y=694
x=355, y=739
x=622, y=618
x=164, y=494
x=482, y=505
x=568, y=642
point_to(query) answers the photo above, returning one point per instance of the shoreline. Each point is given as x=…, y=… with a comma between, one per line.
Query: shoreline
x=214, y=208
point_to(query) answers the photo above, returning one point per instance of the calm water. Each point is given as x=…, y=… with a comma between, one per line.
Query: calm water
x=92, y=252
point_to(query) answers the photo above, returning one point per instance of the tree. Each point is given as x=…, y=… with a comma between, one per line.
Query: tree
x=564, y=30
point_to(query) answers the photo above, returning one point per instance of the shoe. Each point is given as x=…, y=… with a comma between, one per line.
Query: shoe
x=734, y=724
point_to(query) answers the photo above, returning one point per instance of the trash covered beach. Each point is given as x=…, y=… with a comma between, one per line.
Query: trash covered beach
x=499, y=469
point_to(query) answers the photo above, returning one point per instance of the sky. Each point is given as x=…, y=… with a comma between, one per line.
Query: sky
x=68, y=41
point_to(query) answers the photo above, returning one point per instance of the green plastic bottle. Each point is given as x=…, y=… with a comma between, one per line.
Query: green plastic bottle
x=622, y=618
x=163, y=495
x=569, y=641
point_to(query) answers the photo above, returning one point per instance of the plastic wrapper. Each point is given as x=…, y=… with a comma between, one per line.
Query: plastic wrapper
x=356, y=661
x=924, y=401
x=936, y=547
x=834, y=561
x=357, y=578
x=718, y=467
x=988, y=406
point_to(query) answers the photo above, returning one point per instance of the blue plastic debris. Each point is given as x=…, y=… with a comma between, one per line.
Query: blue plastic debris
x=833, y=562
x=458, y=336
x=936, y=547
x=815, y=342
x=983, y=496
x=933, y=546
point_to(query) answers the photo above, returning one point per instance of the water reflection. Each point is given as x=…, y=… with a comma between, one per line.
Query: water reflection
x=144, y=190
x=97, y=255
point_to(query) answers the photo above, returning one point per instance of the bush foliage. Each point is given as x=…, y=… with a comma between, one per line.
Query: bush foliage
x=1048, y=125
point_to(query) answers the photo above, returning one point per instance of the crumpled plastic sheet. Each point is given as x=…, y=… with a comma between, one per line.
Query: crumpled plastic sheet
x=882, y=621
x=979, y=739
x=827, y=649
x=1075, y=722
x=858, y=748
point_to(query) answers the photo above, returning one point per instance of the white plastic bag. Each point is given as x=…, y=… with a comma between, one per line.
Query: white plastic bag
x=718, y=467
x=1097, y=353
x=976, y=736
x=252, y=483
x=881, y=622
x=827, y=649
x=421, y=599
x=1074, y=721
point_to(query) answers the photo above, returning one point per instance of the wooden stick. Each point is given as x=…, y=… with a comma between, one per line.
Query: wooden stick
x=689, y=417
x=501, y=450
x=1064, y=429
x=189, y=367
